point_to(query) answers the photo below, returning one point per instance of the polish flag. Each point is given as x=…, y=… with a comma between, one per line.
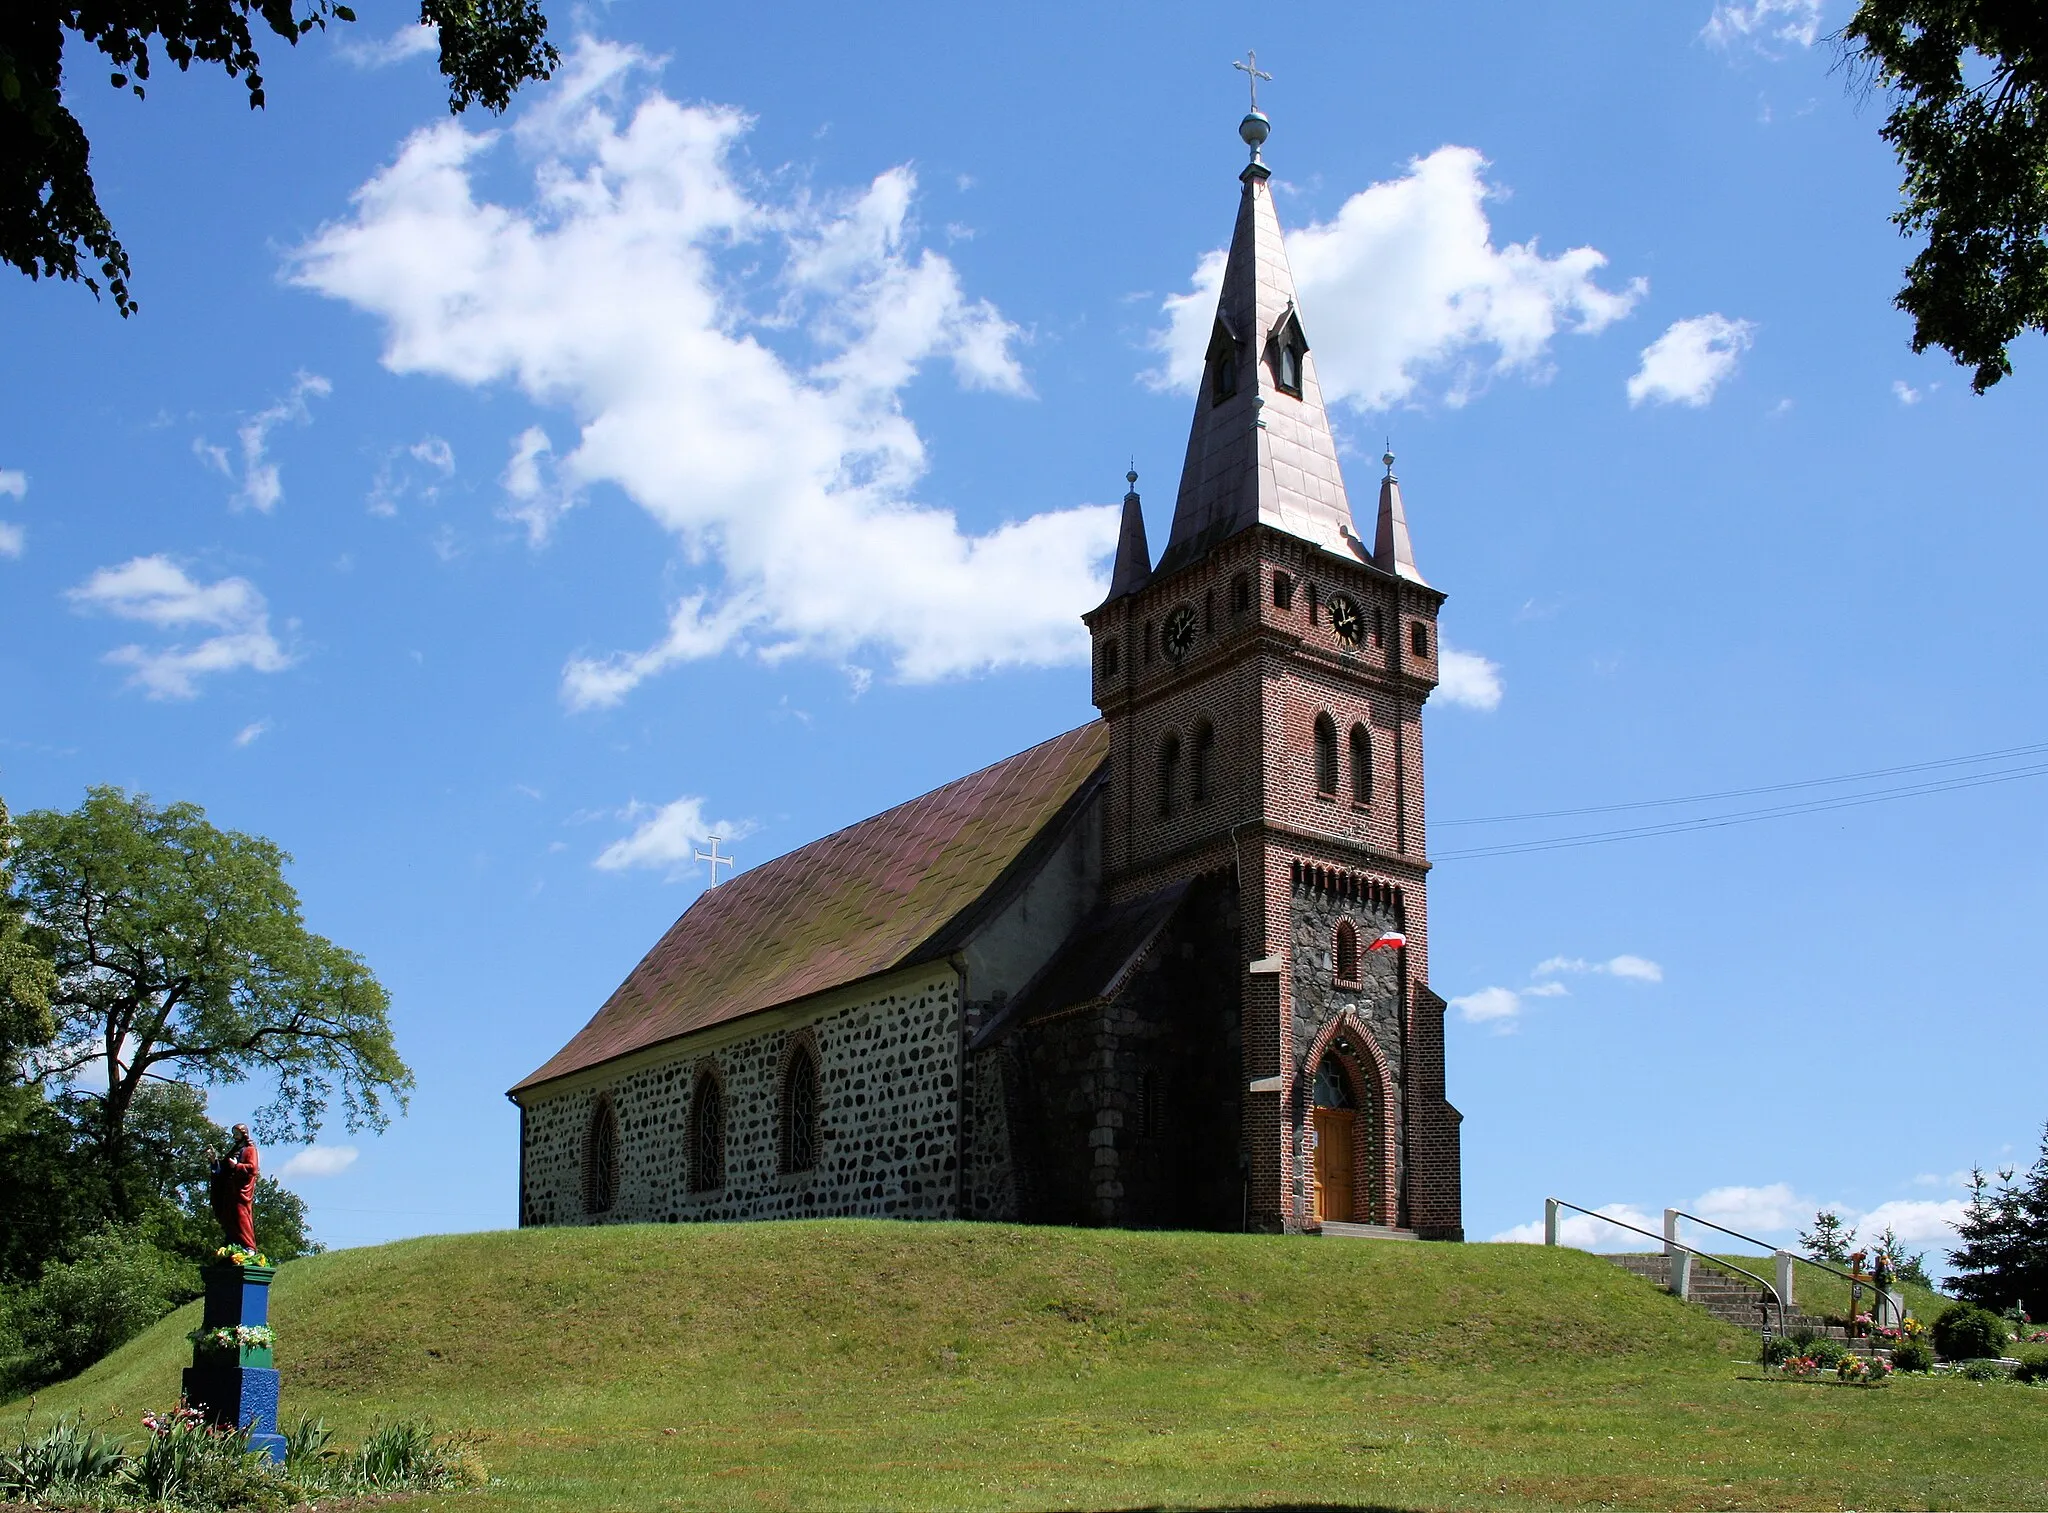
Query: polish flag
x=1393, y=940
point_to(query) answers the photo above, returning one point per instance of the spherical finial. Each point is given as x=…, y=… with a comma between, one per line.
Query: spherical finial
x=1132, y=476
x=1388, y=458
x=1254, y=128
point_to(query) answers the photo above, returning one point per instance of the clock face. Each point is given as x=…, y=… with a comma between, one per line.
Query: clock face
x=1180, y=632
x=1349, y=622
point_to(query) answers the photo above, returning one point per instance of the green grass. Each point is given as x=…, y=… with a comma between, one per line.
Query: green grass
x=869, y=1365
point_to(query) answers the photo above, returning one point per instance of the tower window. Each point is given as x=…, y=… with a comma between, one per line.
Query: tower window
x=1288, y=370
x=1205, y=749
x=1149, y=1116
x=1222, y=358
x=800, y=1112
x=1347, y=952
x=601, y=1160
x=1361, y=765
x=1283, y=591
x=1240, y=593
x=1288, y=347
x=1209, y=611
x=1326, y=756
x=1418, y=638
x=1169, y=775
x=1379, y=626
x=1315, y=604
x=1148, y=643
x=707, y=1135
x=1111, y=658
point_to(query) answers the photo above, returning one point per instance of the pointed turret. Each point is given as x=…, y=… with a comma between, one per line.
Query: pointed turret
x=1133, y=568
x=1260, y=450
x=1391, y=550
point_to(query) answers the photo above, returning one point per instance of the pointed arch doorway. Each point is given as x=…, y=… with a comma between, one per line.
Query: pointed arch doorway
x=1346, y=1128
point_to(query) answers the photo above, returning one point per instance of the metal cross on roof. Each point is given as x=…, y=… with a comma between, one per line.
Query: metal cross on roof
x=1253, y=73
x=715, y=860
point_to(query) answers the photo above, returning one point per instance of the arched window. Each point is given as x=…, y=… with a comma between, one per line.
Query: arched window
x=1169, y=775
x=1333, y=1084
x=1205, y=749
x=1222, y=357
x=707, y=1135
x=1240, y=593
x=1418, y=639
x=1110, y=659
x=1326, y=756
x=601, y=1159
x=800, y=1112
x=1347, y=951
x=1361, y=765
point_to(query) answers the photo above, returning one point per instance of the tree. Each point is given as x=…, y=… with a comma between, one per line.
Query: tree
x=1906, y=1268
x=1829, y=1240
x=50, y=214
x=181, y=956
x=1969, y=124
x=26, y=983
x=2003, y=1260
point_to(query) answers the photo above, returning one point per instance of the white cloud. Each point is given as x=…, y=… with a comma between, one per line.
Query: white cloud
x=734, y=362
x=1467, y=679
x=1499, y=1007
x=1583, y=1233
x=13, y=539
x=1904, y=392
x=320, y=1161
x=1917, y=1221
x=1551, y=989
x=419, y=469
x=410, y=41
x=1689, y=361
x=253, y=732
x=1635, y=968
x=156, y=591
x=262, y=485
x=669, y=837
x=13, y=483
x=1406, y=285
x=1775, y=1207
x=1764, y=23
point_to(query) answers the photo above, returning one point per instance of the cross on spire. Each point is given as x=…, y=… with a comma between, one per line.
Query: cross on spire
x=1253, y=73
x=715, y=859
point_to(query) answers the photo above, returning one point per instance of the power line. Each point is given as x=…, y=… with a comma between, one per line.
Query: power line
x=1738, y=793
x=1746, y=816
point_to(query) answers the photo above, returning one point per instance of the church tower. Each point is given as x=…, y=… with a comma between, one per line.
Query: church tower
x=1262, y=688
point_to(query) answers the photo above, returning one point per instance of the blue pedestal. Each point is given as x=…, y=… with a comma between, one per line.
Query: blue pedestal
x=231, y=1394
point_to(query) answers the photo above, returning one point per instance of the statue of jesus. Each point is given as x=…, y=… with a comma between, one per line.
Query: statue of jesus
x=234, y=1190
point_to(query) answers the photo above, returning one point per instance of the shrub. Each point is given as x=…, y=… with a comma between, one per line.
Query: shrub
x=118, y=1286
x=1965, y=1332
x=1802, y=1335
x=1827, y=1353
x=1776, y=1350
x=1912, y=1355
x=1985, y=1371
x=2033, y=1368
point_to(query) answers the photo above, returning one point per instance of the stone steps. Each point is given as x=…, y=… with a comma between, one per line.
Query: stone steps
x=1731, y=1298
x=1337, y=1230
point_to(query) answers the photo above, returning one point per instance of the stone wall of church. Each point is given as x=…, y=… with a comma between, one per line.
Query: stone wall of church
x=888, y=1115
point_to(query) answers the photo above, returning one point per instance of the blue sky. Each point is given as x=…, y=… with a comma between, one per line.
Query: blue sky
x=488, y=510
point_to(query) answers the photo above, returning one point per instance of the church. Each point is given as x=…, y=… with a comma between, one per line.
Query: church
x=1168, y=970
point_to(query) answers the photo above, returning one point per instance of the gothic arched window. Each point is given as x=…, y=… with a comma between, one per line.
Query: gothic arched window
x=1240, y=593
x=1361, y=765
x=1222, y=359
x=1326, y=756
x=800, y=1112
x=601, y=1159
x=1205, y=749
x=707, y=1135
x=1169, y=775
x=1347, y=951
x=1111, y=659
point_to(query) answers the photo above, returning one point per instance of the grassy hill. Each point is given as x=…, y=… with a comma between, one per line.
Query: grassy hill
x=848, y=1365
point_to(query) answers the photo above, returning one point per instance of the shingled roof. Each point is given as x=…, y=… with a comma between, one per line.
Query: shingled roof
x=878, y=895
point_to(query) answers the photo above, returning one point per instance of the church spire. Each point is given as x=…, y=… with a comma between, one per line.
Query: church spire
x=1260, y=449
x=1391, y=549
x=1133, y=568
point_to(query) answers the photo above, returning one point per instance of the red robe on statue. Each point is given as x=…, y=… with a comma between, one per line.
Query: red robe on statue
x=234, y=1196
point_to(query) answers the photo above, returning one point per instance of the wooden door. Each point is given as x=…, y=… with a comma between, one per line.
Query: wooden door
x=1334, y=1129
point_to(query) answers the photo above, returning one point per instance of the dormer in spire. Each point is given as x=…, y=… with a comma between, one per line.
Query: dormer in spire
x=1391, y=550
x=1260, y=449
x=1133, y=568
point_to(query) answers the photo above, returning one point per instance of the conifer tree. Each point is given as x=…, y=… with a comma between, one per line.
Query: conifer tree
x=1829, y=1240
x=2003, y=1260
